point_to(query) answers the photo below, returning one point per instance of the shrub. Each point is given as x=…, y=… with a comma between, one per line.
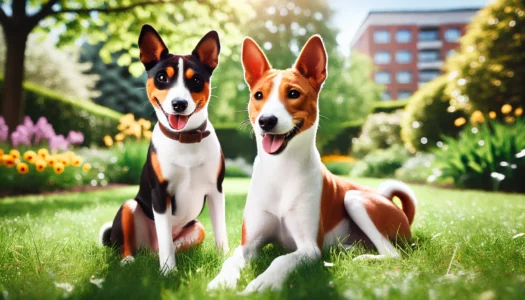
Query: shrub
x=417, y=168
x=380, y=131
x=236, y=143
x=381, y=162
x=342, y=143
x=389, y=106
x=488, y=157
x=427, y=118
x=338, y=164
x=92, y=120
x=238, y=167
x=127, y=161
x=33, y=170
x=487, y=72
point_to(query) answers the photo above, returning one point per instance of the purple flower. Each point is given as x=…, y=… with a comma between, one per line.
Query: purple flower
x=21, y=136
x=58, y=142
x=75, y=137
x=43, y=130
x=4, y=130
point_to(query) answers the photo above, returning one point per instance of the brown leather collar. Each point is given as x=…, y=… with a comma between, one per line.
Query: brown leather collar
x=186, y=137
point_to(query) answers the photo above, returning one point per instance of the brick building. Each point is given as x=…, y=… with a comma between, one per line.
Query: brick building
x=409, y=47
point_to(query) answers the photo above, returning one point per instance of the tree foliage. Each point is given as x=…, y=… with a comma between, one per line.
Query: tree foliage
x=282, y=29
x=488, y=70
x=55, y=69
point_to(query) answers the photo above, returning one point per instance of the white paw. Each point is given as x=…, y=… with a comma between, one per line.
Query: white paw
x=127, y=260
x=264, y=282
x=223, y=280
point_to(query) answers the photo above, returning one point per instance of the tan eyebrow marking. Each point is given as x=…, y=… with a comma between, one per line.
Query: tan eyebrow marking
x=189, y=73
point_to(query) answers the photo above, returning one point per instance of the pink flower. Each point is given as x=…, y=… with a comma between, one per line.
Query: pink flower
x=58, y=142
x=4, y=130
x=75, y=137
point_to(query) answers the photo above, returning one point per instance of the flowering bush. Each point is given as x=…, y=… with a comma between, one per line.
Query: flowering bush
x=44, y=170
x=489, y=156
x=129, y=127
x=39, y=133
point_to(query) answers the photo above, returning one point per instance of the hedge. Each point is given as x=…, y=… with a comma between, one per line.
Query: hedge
x=236, y=142
x=93, y=120
x=389, y=106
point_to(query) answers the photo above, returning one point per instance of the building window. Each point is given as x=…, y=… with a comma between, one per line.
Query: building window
x=451, y=52
x=403, y=57
x=404, y=77
x=382, y=57
x=381, y=37
x=428, y=75
x=403, y=36
x=382, y=77
x=429, y=56
x=386, y=96
x=404, y=94
x=428, y=35
x=452, y=35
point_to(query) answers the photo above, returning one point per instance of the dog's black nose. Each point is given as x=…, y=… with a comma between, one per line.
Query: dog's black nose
x=179, y=105
x=268, y=123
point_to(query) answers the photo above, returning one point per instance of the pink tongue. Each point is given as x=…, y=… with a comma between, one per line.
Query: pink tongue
x=178, y=121
x=272, y=143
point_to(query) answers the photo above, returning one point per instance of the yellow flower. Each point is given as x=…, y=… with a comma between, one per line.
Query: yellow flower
x=510, y=119
x=338, y=158
x=76, y=161
x=119, y=137
x=86, y=167
x=22, y=168
x=477, y=117
x=15, y=154
x=108, y=141
x=64, y=160
x=58, y=167
x=69, y=154
x=492, y=115
x=1, y=153
x=8, y=160
x=147, y=135
x=30, y=156
x=460, y=122
x=518, y=112
x=507, y=108
x=51, y=160
x=144, y=123
x=40, y=165
x=127, y=119
x=43, y=153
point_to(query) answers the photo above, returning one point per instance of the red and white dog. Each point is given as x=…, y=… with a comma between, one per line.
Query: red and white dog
x=293, y=199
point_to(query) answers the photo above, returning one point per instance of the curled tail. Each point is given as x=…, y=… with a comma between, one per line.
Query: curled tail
x=394, y=188
x=104, y=235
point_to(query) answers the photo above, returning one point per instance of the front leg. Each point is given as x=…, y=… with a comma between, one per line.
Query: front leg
x=163, y=227
x=302, y=222
x=216, y=204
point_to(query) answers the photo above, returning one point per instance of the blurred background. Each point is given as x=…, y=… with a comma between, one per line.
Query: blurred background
x=429, y=92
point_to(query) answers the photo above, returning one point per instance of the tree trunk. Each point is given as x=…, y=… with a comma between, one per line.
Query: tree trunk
x=12, y=101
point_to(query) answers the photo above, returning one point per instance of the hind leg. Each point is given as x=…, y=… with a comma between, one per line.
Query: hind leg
x=191, y=236
x=130, y=230
x=380, y=219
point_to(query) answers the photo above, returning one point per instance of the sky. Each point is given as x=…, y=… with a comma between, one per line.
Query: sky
x=350, y=13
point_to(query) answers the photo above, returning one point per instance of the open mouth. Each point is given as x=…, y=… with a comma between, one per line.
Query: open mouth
x=276, y=143
x=176, y=121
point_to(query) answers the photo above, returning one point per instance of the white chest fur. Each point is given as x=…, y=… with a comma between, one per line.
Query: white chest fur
x=191, y=171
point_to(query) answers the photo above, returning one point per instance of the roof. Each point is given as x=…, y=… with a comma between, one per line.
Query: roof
x=427, y=17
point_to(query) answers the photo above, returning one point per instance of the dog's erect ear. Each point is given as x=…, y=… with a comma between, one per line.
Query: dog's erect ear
x=152, y=48
x=207, y=50
x=312, y=61
x=254, y=61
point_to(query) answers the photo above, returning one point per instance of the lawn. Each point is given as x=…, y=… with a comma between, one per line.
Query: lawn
x=466, y=245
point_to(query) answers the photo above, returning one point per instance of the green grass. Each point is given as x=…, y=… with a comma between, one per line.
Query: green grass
x=52, y=239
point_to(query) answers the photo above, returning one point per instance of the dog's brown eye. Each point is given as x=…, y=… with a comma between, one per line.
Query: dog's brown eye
x=258, y=96
x=161, y=77
x=196, y=80
x=294, y=94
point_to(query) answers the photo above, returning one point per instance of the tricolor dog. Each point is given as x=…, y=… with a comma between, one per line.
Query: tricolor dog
x=293, y=199
x=184, y=166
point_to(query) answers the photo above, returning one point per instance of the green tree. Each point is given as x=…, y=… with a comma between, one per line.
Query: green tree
x=115, y=22
x=281, y=28
x=118, y=89
x=488, y=71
